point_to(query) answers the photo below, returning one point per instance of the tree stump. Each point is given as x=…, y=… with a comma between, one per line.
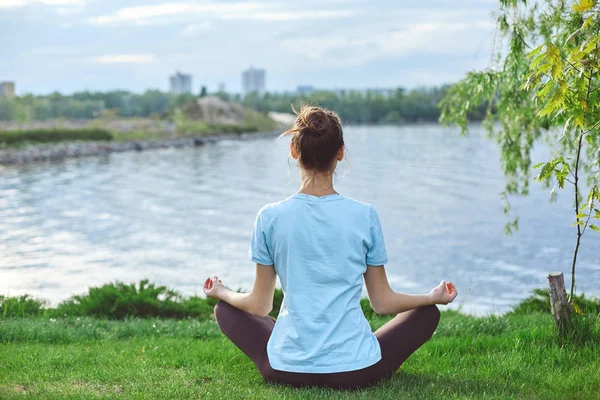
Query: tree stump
x=561, y=310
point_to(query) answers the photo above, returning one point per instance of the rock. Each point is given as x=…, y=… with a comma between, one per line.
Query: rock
x=61, y=151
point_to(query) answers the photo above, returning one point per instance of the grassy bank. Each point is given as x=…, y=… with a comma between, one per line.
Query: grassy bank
x=515, y=356
x=104, y=132
x=96, y=345
x=38, y=136
x=33, y=136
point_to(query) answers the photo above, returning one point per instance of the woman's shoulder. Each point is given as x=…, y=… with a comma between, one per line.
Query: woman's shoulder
x=358, y=203
x=270, y=210
x=274, y=207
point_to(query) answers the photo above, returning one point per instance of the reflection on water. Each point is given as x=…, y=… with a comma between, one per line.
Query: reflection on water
x=176, y=216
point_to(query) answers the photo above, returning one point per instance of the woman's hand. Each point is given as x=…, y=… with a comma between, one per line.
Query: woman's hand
x=444, y=293
x=214, y=288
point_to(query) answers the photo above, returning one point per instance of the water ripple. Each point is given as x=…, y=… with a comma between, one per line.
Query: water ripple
x=178, y=215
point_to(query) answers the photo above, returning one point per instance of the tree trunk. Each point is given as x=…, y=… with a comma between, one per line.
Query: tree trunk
x=561, y=310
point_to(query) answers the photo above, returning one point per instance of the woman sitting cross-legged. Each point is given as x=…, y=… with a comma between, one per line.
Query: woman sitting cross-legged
x=321, y=245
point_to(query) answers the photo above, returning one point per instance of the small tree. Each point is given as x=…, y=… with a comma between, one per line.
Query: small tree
x=542, y=86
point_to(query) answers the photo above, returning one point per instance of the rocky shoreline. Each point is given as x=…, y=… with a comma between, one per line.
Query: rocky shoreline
x=66, y=150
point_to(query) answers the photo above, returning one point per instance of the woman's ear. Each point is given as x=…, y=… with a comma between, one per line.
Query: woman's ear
x=340, y=154
x=293, y=151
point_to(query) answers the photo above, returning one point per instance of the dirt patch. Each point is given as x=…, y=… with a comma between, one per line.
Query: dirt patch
x=13, y=389
x=88, y=389
x=203, y=380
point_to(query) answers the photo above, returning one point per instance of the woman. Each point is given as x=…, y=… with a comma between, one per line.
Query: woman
x=322, y=245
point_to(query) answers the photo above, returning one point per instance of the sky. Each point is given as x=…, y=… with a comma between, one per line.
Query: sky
x=74, y=45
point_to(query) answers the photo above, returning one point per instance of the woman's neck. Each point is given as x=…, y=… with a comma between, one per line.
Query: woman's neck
x=317, y=185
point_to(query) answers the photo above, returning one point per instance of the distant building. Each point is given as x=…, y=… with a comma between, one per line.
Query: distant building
x=304, y=89
x=253, y=80
x=181, y=83
x=7, y=89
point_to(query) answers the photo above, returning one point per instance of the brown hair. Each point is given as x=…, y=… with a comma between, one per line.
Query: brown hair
x=317, y=137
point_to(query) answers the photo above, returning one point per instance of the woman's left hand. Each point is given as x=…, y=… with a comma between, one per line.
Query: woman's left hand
x=213, y=287
x=444, y=293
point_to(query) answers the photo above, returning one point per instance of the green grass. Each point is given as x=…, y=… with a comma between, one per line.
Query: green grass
x=109, y=343
x=121, y=301
x=31, y=136
x=512, y=356
x=253, y=122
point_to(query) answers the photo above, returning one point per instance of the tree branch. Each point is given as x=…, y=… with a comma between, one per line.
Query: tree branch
x=587, y=221
x=579, y=146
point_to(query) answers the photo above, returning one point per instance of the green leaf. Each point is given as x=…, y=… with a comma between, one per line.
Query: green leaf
x=594, y=227
x=535, y=51
x=580, y=216
x=537, y=60
x=553, y=195
x=584, y=5
x=554, y=60
x=536, y=166
x=567, y=123
x=580, y=223
x=589, y=45
x=545, y=172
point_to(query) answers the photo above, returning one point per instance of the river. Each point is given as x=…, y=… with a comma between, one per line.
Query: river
x=176, y=216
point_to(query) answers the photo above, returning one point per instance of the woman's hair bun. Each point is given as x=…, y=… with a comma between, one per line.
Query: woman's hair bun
x=317, y=120
x=325, y=127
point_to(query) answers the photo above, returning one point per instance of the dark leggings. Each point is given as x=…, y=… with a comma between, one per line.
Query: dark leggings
x=398, y=339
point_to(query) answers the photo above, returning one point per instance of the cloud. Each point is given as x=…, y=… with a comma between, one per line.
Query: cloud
x=436, y=37
x=293, y=15
x=52, y=51
x=79, y=9
x=125, y=59
x=144, y=15
x=444, y=37
x=7, y=4
x=195, y=29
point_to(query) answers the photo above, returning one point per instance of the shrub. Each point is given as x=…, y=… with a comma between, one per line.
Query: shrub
x=201, y=128
x=11, y=138
x=21, y=306
x=225, y=128
x=539, y=302
x=120, y=301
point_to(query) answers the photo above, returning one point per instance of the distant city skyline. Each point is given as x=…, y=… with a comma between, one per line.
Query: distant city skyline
x=180, y=83
x=253, y=80
x=76, y=45
x=7, y=89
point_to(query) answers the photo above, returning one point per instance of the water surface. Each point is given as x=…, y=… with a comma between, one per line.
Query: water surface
x=176, y=216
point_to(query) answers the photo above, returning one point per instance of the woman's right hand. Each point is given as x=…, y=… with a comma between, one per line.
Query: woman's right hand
x=214, y=288
x=444, y=293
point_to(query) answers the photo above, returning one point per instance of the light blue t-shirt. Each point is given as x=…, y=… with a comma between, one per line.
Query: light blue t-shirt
x=320, y=248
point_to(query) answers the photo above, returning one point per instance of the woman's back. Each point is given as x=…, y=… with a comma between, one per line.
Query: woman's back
x=320, y=247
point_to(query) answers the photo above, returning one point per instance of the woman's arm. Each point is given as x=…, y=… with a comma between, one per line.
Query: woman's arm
x=258, y=302
x=386, y=301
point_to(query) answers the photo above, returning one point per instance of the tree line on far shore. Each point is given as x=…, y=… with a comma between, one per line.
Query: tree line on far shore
x=367, y=107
